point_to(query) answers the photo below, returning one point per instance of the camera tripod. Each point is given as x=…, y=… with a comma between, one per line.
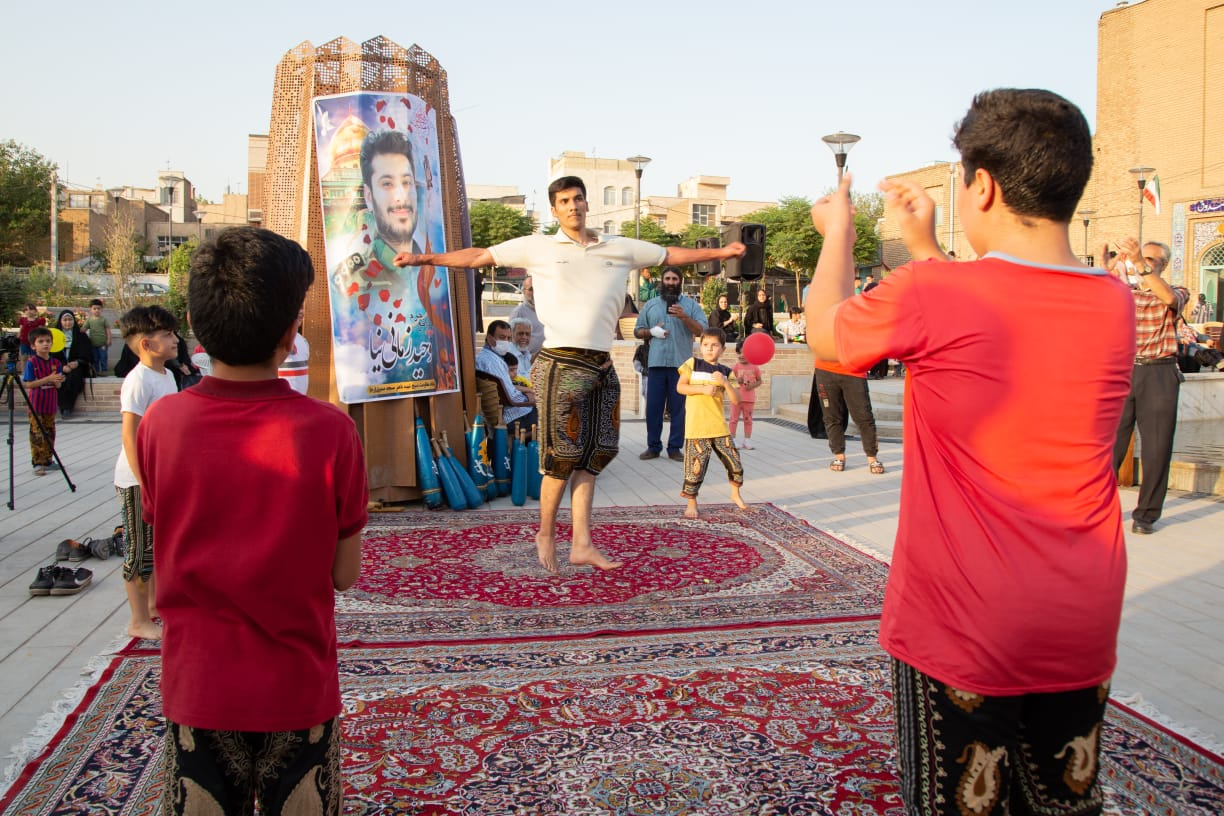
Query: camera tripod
x=12, y=383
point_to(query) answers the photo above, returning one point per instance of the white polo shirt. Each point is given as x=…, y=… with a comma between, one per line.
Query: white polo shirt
x=579, y=291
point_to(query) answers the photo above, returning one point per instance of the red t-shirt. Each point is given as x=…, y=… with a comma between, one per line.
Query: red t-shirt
x=1009, y=565
x=248, y=487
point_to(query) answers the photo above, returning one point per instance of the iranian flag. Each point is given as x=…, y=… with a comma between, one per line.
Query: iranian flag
x=1152, y=192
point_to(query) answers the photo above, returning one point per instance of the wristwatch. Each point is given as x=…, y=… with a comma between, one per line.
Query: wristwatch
x=1147, y=270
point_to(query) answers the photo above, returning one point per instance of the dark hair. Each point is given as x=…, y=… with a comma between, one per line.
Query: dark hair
x=146, y=320
x=715, y=332
x=564, y=183
x=674, y=269
x=495, y=325
x=380, y=142
x=96, y=302
x=1035, y=145
x=511, y=360
x=245, y=290
x=37, y=332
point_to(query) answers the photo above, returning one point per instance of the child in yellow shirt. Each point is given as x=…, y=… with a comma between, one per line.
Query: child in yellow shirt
x=703, y=382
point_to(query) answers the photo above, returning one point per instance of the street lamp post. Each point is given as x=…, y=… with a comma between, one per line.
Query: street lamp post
x=840, y=143
x=639, y=164
x=1141, y=172
x=1086, y=215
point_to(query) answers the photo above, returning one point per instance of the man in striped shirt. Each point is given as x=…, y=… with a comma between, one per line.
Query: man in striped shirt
x=1155, y=380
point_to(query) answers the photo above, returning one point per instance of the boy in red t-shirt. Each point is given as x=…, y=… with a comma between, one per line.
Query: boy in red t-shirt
x=258, y=495
x=1005, y=590
x=30, y=320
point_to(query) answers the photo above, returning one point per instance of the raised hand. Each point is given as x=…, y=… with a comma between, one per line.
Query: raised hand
x=834, y=214
x=914, y=211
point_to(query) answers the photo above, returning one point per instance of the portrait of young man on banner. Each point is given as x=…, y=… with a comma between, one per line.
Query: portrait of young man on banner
x=392, y=330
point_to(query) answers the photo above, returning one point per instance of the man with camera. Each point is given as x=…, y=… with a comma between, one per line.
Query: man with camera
x=1155, y=380
x=670, y=321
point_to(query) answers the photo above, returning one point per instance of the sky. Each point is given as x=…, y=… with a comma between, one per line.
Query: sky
x=113, y=93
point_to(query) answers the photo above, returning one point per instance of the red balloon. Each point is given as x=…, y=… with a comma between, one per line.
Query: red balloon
x=758, y=348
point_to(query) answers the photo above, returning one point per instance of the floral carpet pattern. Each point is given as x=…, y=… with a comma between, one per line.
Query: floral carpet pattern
x=791, y=717
x=461, y=576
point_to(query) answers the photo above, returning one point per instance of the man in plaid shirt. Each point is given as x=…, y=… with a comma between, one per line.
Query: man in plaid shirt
x=1155, y=379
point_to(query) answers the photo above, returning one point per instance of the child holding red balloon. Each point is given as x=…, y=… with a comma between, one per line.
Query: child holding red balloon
x=704, y=381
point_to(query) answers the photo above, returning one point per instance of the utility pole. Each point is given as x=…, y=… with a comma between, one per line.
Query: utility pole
x=54, y=219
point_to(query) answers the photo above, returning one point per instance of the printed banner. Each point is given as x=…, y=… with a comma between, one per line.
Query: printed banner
x=393, y=334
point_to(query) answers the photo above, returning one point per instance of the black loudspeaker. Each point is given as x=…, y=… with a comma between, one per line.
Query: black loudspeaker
x=708, y=269
x=752, y=265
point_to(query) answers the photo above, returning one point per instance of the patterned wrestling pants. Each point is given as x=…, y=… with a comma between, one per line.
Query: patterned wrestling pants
x=697, y=461
x=290, y=773
x=578, y=397
x=972, y=755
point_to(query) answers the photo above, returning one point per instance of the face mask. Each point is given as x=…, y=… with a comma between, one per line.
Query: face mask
x=503, y=347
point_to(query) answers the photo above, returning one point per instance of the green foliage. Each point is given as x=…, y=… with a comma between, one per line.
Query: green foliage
x=713, y=288
x=650, y=231
x=868, y=210
x=13, y=296
x=493, y=223
x=691, y=232
x=61, y=290
x=551, y=229
x=178, y=265
x=25, y=202
x=791, y=241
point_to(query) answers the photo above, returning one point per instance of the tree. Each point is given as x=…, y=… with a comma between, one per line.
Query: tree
x=493, y=223
x=650, y=231
x=178, y=265
x=25, y=202
x=791, y=241
x=123, y=246
x=691, y=232
x=868, y=210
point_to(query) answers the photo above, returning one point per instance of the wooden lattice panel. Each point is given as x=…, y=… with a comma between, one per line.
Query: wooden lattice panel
x=292, y=208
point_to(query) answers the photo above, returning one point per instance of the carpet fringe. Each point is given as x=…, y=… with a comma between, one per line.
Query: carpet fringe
x=50, y=722
x=1135, y=702
x=851, y=541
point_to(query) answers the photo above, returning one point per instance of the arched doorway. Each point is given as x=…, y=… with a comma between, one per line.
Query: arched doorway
x=1211, y=269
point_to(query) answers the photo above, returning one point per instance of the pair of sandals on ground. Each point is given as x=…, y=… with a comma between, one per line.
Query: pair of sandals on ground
x=839, y=464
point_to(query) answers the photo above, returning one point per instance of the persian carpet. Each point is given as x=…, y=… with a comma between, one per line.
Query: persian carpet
x=475, y=575
x=787, y=719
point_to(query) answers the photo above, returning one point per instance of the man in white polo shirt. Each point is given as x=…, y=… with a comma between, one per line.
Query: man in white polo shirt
x=580, y=279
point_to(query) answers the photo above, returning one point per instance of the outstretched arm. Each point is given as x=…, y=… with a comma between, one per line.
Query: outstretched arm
x=470, y=258
x=683, y=256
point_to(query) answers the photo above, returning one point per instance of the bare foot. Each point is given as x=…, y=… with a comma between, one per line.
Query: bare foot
x=691, y=510
x=735, y=497
x=546, y=549
x=590, y=555
x=147, y=630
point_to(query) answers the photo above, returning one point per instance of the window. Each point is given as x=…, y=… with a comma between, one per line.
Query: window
x=610, y=195
x=704, y=214
x=609, y=228
x=938, y=214
x=626, y=195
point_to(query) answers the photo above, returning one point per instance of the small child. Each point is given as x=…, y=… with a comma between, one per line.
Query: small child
x=30, y=320
x=99, y=335
x=42, y=376
x=250, y=684
x=512, y=363
x=148, y=331
x=703, y=383
x=748, y=377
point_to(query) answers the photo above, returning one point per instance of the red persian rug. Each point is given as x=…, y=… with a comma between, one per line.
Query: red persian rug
x=475, y=575
x=780, y=720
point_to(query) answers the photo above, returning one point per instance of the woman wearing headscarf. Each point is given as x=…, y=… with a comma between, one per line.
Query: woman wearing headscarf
x=77, y=360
